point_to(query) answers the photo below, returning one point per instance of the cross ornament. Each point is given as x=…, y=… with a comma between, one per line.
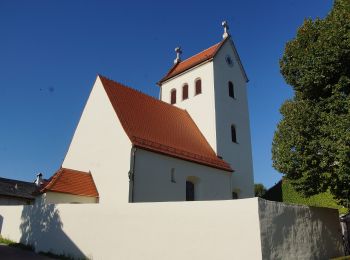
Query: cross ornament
x=226, y=27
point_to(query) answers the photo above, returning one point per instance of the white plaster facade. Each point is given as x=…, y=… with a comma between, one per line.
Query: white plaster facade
x=200, y=107
x=62, y=198
x=229, y=111
x=163, y=178
x=101, y=146
x=214, y=111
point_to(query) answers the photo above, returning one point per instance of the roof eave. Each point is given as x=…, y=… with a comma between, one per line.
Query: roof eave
x=164, y=80
x=226, y=169
x=82, y=195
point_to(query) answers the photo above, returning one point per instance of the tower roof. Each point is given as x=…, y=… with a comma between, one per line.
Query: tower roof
x=193, y=61
x=159, y=127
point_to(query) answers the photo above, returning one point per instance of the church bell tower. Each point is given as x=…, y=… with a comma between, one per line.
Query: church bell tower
x=212, y=87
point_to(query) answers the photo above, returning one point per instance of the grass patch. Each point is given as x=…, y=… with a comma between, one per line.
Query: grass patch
x=283, y=191
x=341, y=258
x=11, y=243
x=6, y=241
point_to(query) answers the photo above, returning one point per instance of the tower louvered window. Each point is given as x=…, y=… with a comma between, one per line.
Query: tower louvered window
x=185, y=92
x=198, y=86
x=173, y=96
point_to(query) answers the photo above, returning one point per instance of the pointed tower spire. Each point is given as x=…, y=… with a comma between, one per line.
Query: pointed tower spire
x=178, y=53
x=226, y=28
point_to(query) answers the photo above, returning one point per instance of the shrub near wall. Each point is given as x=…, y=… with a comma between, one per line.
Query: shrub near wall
x=283, y=191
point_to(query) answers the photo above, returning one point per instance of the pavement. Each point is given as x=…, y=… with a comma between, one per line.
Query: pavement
x=13, y=253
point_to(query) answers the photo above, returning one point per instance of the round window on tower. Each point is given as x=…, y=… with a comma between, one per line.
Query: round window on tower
x=229, y=60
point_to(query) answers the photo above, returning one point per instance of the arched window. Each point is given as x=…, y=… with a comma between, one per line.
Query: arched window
x=198, y=86
x=233, y=134
x=185, y=92
x=173, y=96
x=189, y=191
x=231, y=90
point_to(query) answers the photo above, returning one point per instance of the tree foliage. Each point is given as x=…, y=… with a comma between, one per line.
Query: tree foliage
x=311, y=145
x=259, y=190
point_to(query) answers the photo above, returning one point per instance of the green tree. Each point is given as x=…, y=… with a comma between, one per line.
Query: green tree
x=259, y=189
x=311, y=145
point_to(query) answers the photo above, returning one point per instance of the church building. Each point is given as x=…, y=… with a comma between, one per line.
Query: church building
x=192, y=144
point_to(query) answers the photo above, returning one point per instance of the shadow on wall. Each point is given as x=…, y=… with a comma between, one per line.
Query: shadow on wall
x=308, y=232
x=41, y=228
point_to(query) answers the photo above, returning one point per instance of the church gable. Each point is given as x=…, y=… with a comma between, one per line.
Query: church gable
x=228, y=52
x=101, y=146
x=159, y=127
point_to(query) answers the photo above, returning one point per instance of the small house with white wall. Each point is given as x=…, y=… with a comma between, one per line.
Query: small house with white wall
x=15, y=192
x=192, y=144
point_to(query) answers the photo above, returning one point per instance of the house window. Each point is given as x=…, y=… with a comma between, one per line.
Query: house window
x=198, y=85
x=185, y=92
x=173, y=96
x=231, y=91
x=189, y=191
x=234, y=195
x=233, y=134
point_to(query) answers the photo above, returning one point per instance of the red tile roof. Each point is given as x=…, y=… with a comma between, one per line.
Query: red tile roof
x=193, y=61
x=157, y=126
x=72, y=182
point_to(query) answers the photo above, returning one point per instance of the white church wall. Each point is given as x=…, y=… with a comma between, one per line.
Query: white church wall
x=153, y=180
x=233, y=111
x=100, y=145
x=231, y=229
x=201, y=107
x=58, y=197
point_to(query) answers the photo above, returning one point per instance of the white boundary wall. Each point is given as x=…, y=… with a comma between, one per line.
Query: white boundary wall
x=299, y=232
x=170, y=230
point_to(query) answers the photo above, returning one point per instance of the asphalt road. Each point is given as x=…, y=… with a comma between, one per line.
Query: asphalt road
x=12, y=253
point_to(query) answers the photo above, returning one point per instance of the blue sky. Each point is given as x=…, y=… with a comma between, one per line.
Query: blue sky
x=51, y=51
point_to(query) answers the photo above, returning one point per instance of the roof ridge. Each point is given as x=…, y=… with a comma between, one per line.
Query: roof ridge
x=203, y=50
x=53, y=180
x=70, y=169
x=140, y=92
x=27, y=182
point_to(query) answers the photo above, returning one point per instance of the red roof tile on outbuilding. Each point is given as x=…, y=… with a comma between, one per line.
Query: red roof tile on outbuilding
x=72, y=182
x=157, y=126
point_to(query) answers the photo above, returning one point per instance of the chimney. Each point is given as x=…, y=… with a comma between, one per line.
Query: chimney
x=39, y=179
